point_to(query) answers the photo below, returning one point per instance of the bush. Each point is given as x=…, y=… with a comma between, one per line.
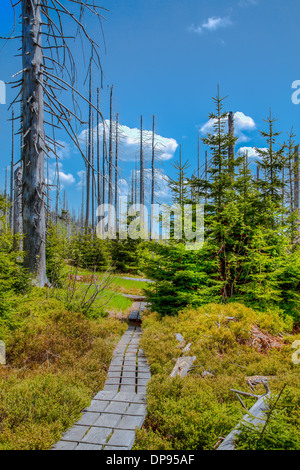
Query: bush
x=232, y=342
x=56, y=362
x=88, y=251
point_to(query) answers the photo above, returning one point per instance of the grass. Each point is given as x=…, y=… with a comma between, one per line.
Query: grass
x=193, y=412
x=118, y=284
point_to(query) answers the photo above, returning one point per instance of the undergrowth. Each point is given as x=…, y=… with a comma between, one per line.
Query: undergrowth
x=57, y=361
x=232, y=343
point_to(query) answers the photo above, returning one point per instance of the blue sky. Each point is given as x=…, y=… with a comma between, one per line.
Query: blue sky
x=166, y=57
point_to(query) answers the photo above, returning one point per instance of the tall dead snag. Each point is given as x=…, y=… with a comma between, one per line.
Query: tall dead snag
x=110, y=163
x=34, y=225
x=116, y=167
x=104, y=165
x=231, y=146
x=198, y=156
x=152, y=175
x=296, y=185
x=48, y=69
x=153, y=163
x=11, y=209
x=142, y=179
x=89, y=155
x=206, y=174
x=18, y=219
x=98, y=154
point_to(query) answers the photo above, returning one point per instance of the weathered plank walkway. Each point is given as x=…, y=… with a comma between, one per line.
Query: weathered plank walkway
x=136, y=311
x=109, y=423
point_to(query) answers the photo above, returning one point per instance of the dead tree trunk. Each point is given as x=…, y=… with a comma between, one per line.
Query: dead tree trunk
x=116, y=167
x=18, y=220
x=231, y=146
x=142, y=167
x=34, y=224
x=198, y=162
x=153, y=162
x=296, y=186
x=11, y=209
x=104, y=165
x=98, y=153
x=142, y=181
x=110, y=163
x=153, y=175
x=89, y=157
x=206, y=174
x=93, y=173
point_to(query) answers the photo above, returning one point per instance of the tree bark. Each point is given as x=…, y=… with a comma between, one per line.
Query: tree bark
x=34, y=224
x=18, y=220
x=231, y=147
x=296, y=185
x=11, y=209
x=110, y=163
x=116, y=168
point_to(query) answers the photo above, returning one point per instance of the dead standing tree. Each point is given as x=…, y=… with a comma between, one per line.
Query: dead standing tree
x=48, y=69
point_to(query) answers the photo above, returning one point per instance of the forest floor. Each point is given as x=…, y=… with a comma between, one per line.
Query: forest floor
x=58, y=358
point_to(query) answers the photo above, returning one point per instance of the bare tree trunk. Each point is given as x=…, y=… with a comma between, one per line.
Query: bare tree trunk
x=34, y=224
x=93, y=173
x=153, y=174
x=89, y=156
x=116, y=168
x=198, y=167
x=104, y=165
x=11, y=209
x=142, y=180
x=48, y=193
x=132, y=187
x=5, y=187
x=57, y=191
x=82, y=202
x=296, y=185
x=110, y=162
x=206, y=174
x=231, y=147
x=142, y=168
x=98, y=154
x=18, y=220
x=135, y=184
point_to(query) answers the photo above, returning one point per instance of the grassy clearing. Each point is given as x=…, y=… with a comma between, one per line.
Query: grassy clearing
x=192, y=413
x=118, y=284
x=57, y=361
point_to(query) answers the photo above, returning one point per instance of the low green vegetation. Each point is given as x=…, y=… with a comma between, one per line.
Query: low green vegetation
x=231, y=343
x=57, y=360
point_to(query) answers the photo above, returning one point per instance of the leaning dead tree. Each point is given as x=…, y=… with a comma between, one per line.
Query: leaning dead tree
x=48, y=70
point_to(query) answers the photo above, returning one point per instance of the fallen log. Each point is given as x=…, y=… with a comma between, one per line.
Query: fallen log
x=256, y=415
x=182, y=366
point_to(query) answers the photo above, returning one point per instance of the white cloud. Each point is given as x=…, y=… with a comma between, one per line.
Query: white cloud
x=211, y=24
x=65, y=179
x=252, y=152
x=129, y=145
x=162, y=191
x=242, y=124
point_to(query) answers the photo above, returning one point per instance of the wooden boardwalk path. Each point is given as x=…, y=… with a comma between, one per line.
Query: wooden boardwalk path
x=109, y=423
